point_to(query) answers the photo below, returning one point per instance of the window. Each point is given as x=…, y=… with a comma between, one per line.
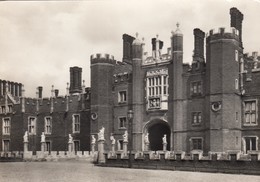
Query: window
x=10, y=108
x=120, y=144
x=250, y=143
x=48, y=125
x=122, y=122
x=6, y=145
x=196, y=88
x=121, y=96
x=157, y=88
x=76, y=123
x=196, y=118
x=236, y=116
x=236, y=84
x=236, y=55
x=76, y=145
x=6, y=126
x=32, y=125
x=48, y=146
x=196, y=144
x=250, y=112
x=3, y=109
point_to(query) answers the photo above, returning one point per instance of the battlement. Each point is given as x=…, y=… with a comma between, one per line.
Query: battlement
x=223, y=34
x=102, y=58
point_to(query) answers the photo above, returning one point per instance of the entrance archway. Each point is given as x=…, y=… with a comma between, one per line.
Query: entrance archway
x=157, y=129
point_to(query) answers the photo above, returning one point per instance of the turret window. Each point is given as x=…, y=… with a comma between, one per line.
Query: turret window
x=236, y=84
x=236, y=55
x=122, y=122
x=122, y=96
x=196, y=118
x=196, y=88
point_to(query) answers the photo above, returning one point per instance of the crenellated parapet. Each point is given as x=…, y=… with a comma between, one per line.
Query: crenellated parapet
x=102, y=58
x=223, y=34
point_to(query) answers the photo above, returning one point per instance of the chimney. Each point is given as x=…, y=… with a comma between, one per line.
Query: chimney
x=1, y=88
x=20, y=90
x=157, y=46
x=236, y=20
x=75, y=80
x=40, y=92
x=127, y=48
x=56, y=91
x=199, y=36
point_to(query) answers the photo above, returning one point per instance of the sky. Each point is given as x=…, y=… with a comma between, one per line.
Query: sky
x=41, y=40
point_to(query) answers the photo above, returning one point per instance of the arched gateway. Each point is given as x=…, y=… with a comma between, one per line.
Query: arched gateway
x=157, y=128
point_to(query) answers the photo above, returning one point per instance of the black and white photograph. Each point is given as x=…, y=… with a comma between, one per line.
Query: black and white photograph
x=136, y=91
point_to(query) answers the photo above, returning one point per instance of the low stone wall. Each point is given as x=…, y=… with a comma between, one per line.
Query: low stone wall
x=231, y=162
x=11, y=156
x=59, y=155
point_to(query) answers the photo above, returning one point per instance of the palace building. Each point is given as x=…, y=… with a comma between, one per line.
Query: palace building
x=210, y=105
x=57, y=116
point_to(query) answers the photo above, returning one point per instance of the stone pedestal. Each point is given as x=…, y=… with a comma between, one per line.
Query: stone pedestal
x=146, y=146
x=25, y=146
x=93, y=147
x=125, y=147
x=101, y=156
x=43, y=146
x=113, y=148
x=164, y=146
x=70, y=146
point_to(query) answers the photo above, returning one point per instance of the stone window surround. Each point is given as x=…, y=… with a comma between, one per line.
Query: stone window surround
x=119, y=122
x=4, y=145
x=74, y=148
x=120, y=144
x=3, y=131
x=73, y=123
x=30, y=125
x=156, y=93
x=244, y=116
x=191, y=143
x=124, y=98
x=50, y=142
x=197, y=117
x=45, y=125
x=236, y=55
x=244, y=142
x=198, y=91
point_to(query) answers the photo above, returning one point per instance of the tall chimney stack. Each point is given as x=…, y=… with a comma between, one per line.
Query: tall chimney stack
x=40, y=92
x=236, y=20
x=75, y=80
x=199, y=36
x=127, y=48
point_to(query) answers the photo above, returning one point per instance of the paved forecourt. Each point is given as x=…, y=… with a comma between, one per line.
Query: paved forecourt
x=86, y=172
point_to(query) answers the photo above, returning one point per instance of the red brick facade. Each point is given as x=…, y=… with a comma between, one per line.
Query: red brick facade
x=204, y=105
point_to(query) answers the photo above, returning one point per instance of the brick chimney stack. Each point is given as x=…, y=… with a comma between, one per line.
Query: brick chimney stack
x=236, y=20
x=75, y=80
x=199, y=36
